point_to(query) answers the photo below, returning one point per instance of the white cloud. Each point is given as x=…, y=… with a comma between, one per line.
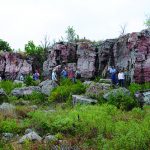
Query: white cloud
x=24, y=20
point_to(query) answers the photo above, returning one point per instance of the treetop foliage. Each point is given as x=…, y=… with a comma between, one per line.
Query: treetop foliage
x=4, y=46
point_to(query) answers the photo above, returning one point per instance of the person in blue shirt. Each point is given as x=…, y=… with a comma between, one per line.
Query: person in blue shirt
x=64, y=73
x=113, y=72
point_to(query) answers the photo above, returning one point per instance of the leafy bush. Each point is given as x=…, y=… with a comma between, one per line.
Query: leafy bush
x=63, y=92
x=134, y=87
x=122, y=101
x=98, y=127
x=9, y=125
x=30, y=82
x=8, y=86
x=35, y=97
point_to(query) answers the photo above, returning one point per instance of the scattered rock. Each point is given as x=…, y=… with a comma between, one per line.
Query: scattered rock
x=28, y=131
x=146, y=97
x=114, y=92
x=82, y=100
x=49, y=138
x=34, y=107
x=143, y=97
x=7, y=136
x=32, y=136
x=7, y=109
x=47, y=86
x=18, y=82
x=25, y=90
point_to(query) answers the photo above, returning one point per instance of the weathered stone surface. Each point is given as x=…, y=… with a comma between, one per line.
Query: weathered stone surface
x=7, y=136
x=82, y=100
x=86, y=59
x=25, y=90
x=32, y=136
x=96, y=89
x=47, y=86
x=143, y=97
x=60, y=53
x=12, y=65
x=114, y=92
x=131, y=51
x=7, y=109
x=49, y=138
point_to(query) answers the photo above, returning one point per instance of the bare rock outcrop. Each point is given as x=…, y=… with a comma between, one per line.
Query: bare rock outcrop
x=131, y=51
x=12, y=65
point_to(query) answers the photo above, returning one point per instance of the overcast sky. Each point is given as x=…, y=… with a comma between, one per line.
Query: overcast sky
x=24, y=20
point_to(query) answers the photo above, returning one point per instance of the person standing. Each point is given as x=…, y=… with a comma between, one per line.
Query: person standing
x=36, y=75
x=71, y=74
x=64, y=73
x=112, y=72
x=54, y=75
x=121, y=78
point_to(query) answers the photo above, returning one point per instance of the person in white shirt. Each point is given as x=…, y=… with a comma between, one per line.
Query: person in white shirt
x=54, y=75
x=0, y=78
x=121, y=78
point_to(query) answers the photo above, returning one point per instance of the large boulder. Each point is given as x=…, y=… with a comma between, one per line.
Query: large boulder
x=97, y=89
x=25, y=91
x=114, y=92
x=143, y=97
x=32, y=136
x=47, y=86
x=82, y=99
x=3, y=96
x=7, y=109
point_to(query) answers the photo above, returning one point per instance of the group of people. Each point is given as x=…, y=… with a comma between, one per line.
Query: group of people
x=65, y=72
x=118, y=76
x=35, y=76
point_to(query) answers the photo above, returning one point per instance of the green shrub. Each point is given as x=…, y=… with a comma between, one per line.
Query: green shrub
x=9, y=125
x=8, y=86
x=97, y=127
x=134, y=87
x=122, y=101
x=35, y=97
x=30, y=82
x=63, y=92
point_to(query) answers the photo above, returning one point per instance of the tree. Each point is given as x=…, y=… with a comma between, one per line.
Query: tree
x=123, y=29
x=71, y=35
x=147, y=21
x=37, y=53
x=4, y=46
x=45, y=44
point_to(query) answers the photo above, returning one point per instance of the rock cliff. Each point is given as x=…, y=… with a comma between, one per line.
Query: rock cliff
x=131, y=51
x=12, y=65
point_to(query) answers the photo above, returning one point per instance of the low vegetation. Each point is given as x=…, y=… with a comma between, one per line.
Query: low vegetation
x=116, y=124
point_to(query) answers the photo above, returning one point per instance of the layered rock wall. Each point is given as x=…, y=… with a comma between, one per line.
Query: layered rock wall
x=131, y=52
x=12, y=65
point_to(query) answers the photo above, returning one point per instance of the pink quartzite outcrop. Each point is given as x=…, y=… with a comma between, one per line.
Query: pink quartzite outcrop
x=131, y=52
x=12, y=65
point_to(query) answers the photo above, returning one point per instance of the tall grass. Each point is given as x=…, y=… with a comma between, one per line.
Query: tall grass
x=8, y=86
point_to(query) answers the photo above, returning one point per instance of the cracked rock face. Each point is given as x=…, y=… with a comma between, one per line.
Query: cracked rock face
x=12, y=65
x=131, y=51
